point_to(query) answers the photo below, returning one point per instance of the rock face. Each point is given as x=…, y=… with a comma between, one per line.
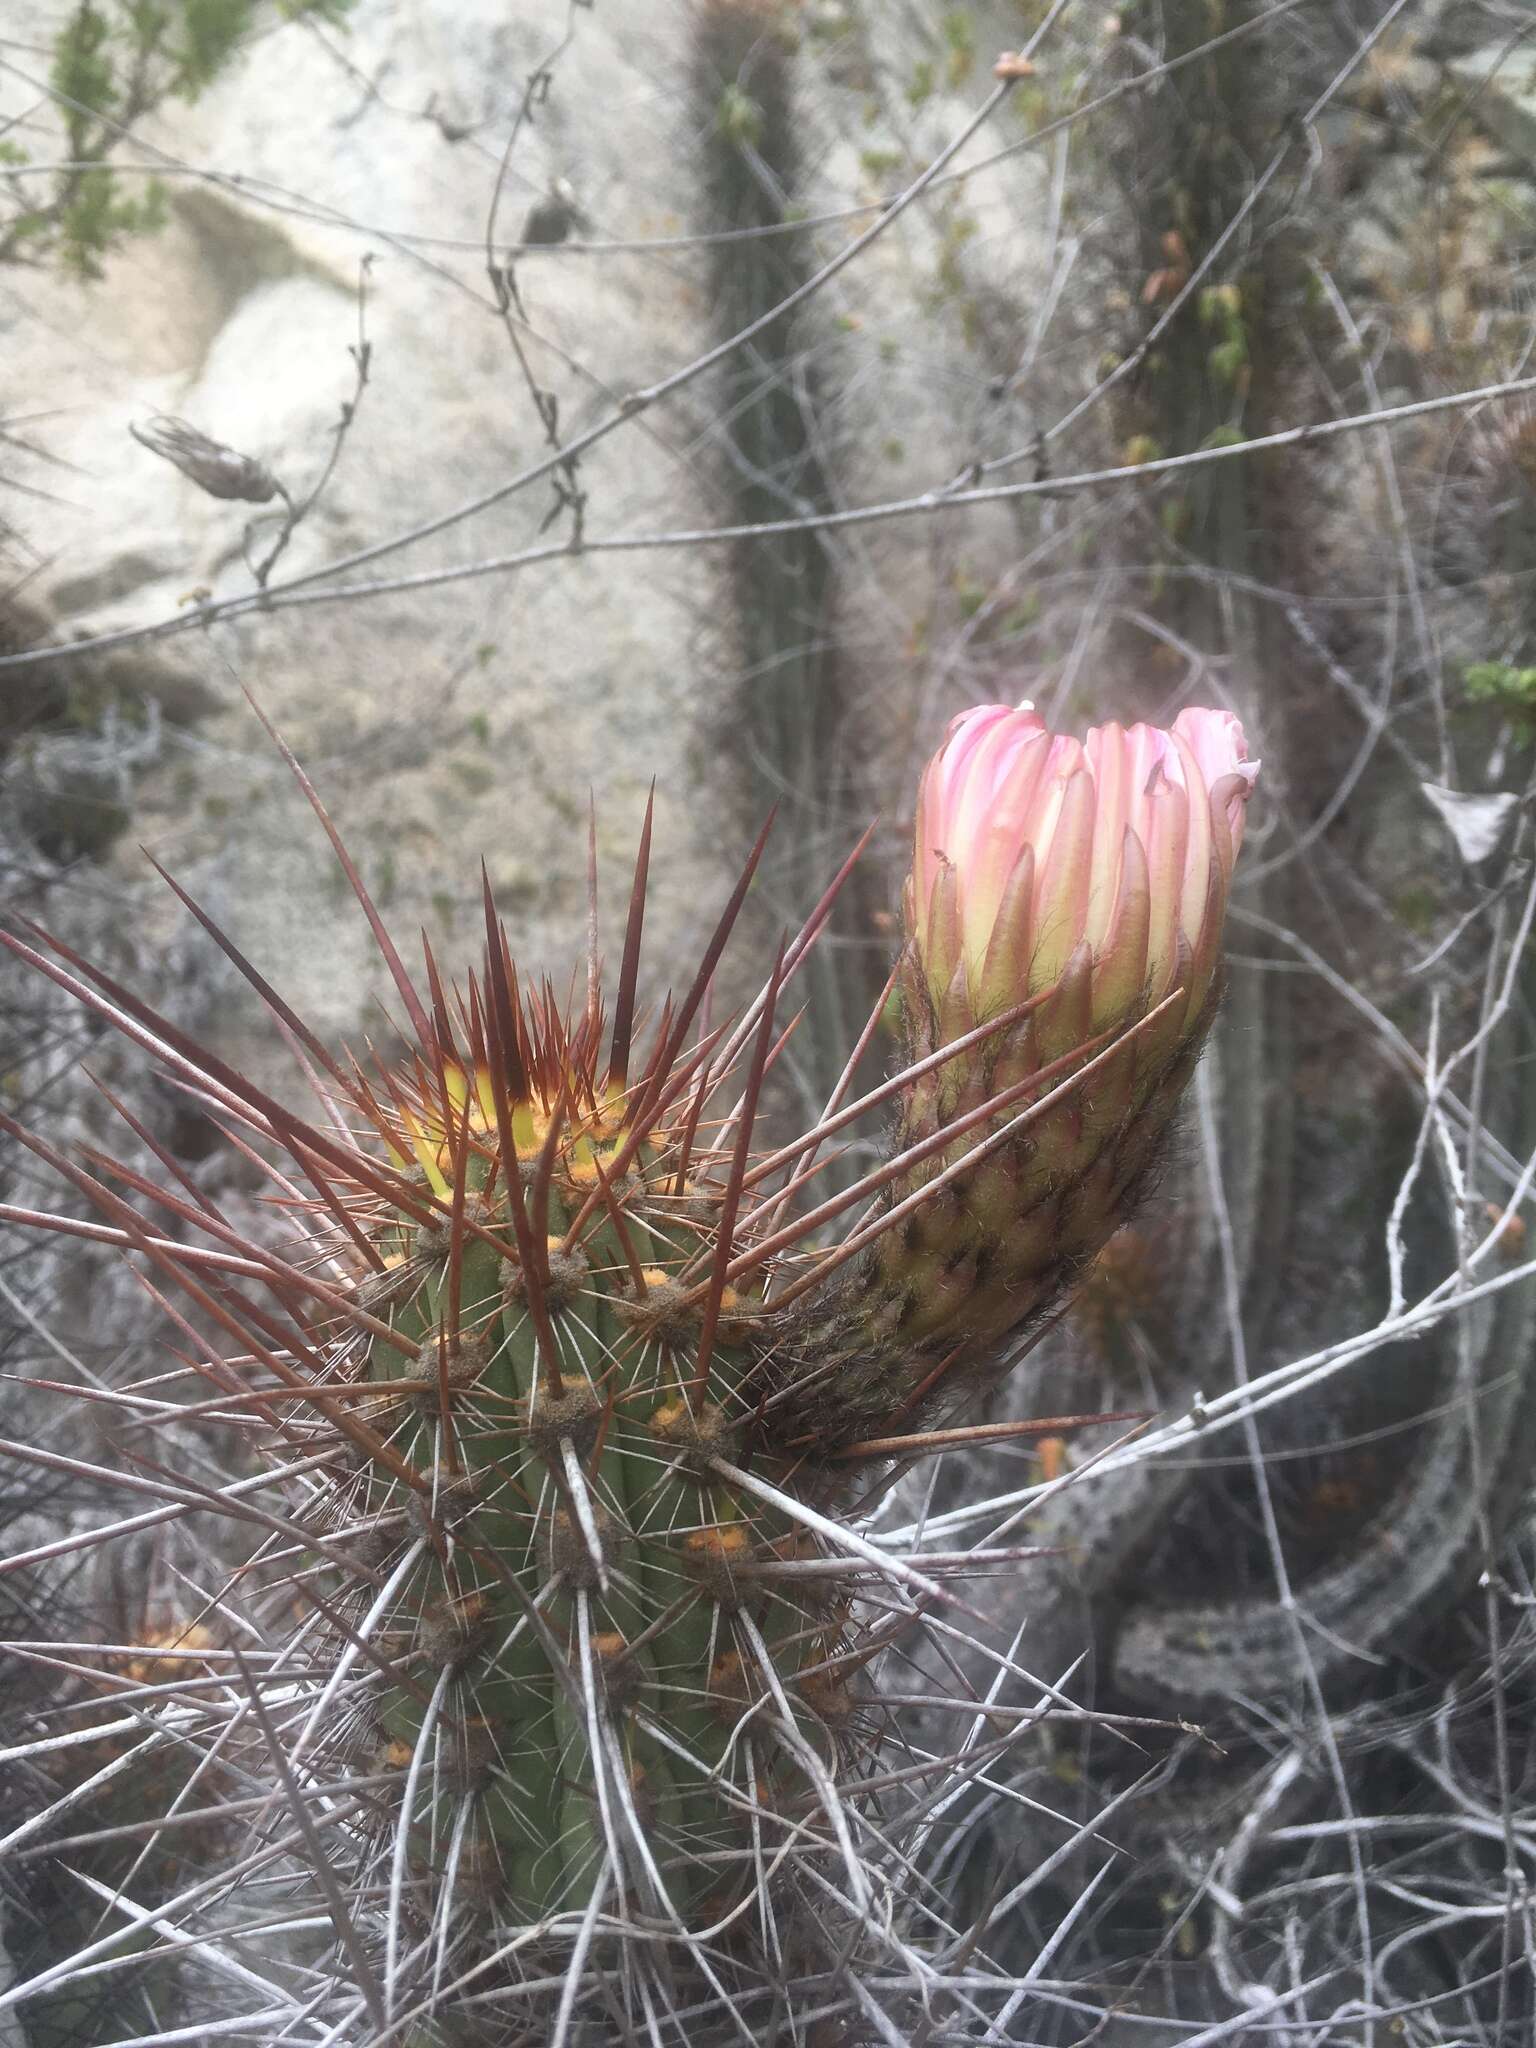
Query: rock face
x=332, y=193
x=438, y=725
x=1501, y=83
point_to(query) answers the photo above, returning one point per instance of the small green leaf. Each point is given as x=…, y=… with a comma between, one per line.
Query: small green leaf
x=1227, y=360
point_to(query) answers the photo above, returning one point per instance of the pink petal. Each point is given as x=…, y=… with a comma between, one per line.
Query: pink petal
x=1110, y=753
x=1120, y=968
x=1004, y=972
x=1061, y=896
x=1165, y=837
x=1215, y=738
x=1197, y=851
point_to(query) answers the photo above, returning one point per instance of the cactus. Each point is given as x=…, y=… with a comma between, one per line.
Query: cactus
x=544, y=1683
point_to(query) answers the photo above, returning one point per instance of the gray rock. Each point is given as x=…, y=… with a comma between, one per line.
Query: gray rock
x=447, y=723
x=1500, y=83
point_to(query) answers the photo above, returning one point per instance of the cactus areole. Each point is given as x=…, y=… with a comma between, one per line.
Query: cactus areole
x=566, y=1384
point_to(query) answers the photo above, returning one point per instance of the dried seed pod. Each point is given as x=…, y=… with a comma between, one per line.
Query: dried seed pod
x=221, y=472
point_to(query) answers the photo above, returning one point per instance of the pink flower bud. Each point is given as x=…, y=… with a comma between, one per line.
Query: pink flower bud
x=1114, y=856
x=1064, y=892
x=1068, y=890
